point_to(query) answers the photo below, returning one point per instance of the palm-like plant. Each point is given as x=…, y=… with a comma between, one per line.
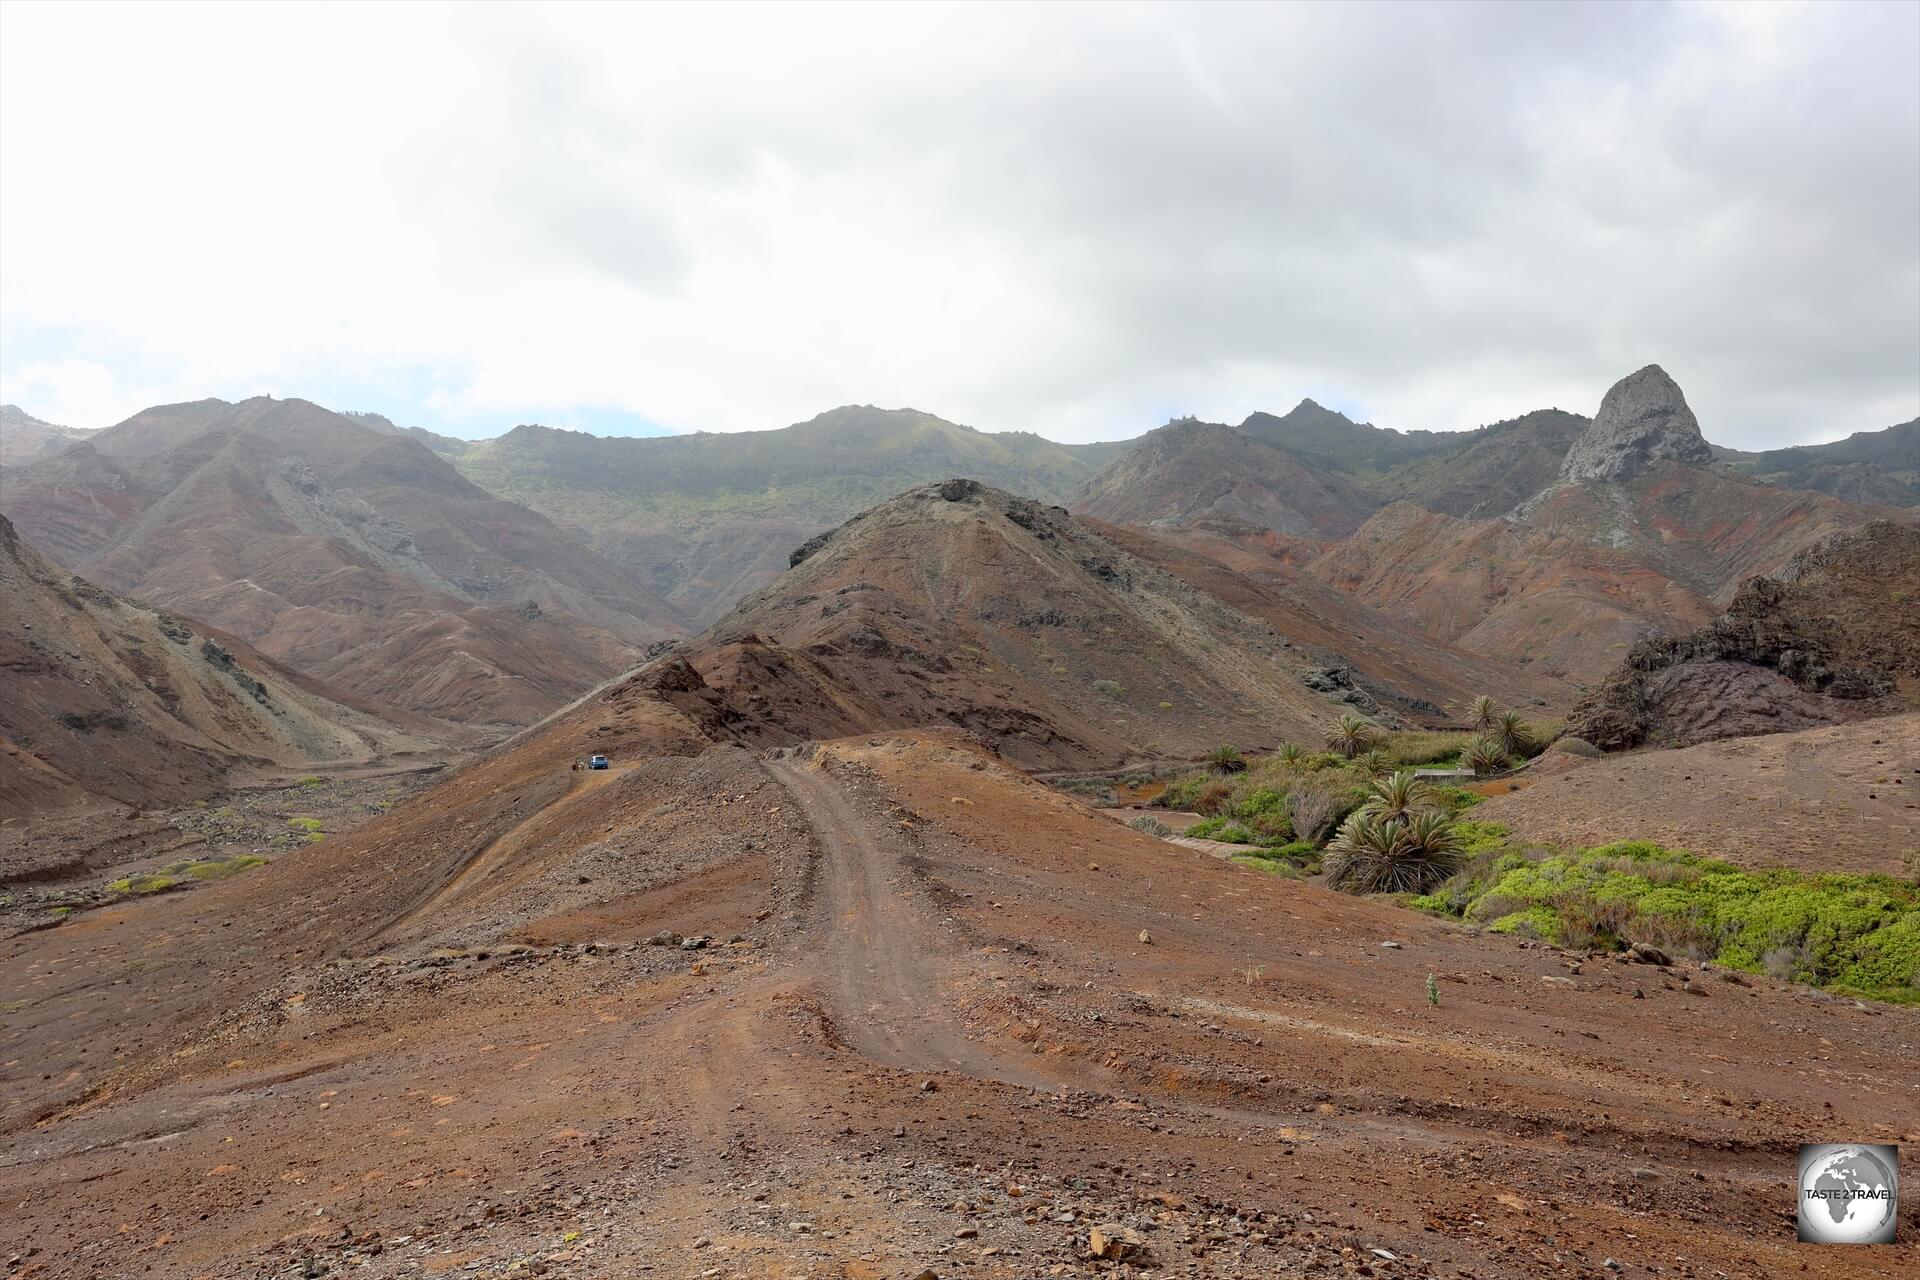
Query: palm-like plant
x=1483, y=712
x=1226, y=759
x=1511, y=732
x=1372, y=854
x=1486, y=755
x=1350, y=736
x=1398, y=798
x=1290, y=753
x=1375, y=763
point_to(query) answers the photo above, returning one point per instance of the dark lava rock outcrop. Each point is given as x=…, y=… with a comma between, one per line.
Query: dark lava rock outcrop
x=1834, y=637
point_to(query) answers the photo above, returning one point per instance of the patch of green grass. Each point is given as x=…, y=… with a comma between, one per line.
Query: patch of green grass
x=1423, y=746
x=312, y=780
x=1272, y=866
x=308, y=825
x=1854, y=934
x=208, y=869
x=152, y=882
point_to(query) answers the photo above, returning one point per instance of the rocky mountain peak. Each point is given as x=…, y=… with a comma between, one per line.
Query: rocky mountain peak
x=1643, y=419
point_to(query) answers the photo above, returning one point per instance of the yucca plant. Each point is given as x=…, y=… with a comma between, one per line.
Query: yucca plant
x=1372, y=854
x=1486, y=755
x=1511, y=732
x=1290, y=754
x=1398, y=797
x=1225, y=759
x=1483, y=712
x=1374, y=762
x=1351, y=735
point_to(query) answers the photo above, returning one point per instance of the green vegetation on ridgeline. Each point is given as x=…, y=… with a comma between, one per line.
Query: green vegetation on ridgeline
x=1857, y=935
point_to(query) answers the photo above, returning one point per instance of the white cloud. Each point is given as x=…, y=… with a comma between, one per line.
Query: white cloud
x=1067, y=220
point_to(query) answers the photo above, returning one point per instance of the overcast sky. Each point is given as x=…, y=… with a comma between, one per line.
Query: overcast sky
x=1076, y=221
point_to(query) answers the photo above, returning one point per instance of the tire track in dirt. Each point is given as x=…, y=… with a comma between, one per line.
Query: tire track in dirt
x=879, y=959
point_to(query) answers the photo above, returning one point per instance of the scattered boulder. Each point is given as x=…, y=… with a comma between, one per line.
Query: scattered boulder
x=1116, y=1243
x=1647, y=953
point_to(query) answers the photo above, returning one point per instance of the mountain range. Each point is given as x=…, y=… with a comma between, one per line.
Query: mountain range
x=490, y=582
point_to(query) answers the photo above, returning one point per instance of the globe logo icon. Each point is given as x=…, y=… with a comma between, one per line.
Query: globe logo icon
x=1849, y=1194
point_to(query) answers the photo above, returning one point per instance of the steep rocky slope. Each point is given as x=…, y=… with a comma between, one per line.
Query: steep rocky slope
x=24, y=437
x=104, y=698
x=1486, y=472
x=1835, y=636
x=1639, y=535
x=705, y=519
x=1190, y=470
x=958, y=604
x=1265, y=575
x=355, y=554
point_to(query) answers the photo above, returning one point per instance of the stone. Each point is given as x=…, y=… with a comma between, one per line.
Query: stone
x=1646, y=953
x=1643, y=419
x=1114, y=1242
x=1146, y=937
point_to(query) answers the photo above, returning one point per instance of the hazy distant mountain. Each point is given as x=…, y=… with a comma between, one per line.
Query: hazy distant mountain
x=1332, y=441
x=704, y=519
x=24, y=437
x=351, y=552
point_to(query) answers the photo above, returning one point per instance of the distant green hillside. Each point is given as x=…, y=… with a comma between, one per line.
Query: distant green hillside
x=709, y=517
x=1868, y=466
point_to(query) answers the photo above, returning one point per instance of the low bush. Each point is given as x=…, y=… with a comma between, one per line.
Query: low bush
x=1152, y=826
x=1856, y=934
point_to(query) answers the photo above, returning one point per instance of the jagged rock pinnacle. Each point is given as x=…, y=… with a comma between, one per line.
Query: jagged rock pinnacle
x=1644, y=418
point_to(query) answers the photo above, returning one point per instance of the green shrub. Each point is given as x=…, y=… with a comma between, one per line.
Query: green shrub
x=1181, y=793
x=1109, y=687
x=1151, y=826
x=1486, y=756
x=1857, y=934
x=305, y=824
x=1453, y=799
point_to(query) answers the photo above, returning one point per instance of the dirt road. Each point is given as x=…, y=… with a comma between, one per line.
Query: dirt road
x=1229, y=1065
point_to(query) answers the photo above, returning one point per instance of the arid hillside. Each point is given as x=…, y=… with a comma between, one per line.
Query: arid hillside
x=957, y=604
x=105, y=699
x=1839, y=798
x=880, y=1005
x=1265, y=575
x=1833, y=636
x=1189, y=470
x=353, y=554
